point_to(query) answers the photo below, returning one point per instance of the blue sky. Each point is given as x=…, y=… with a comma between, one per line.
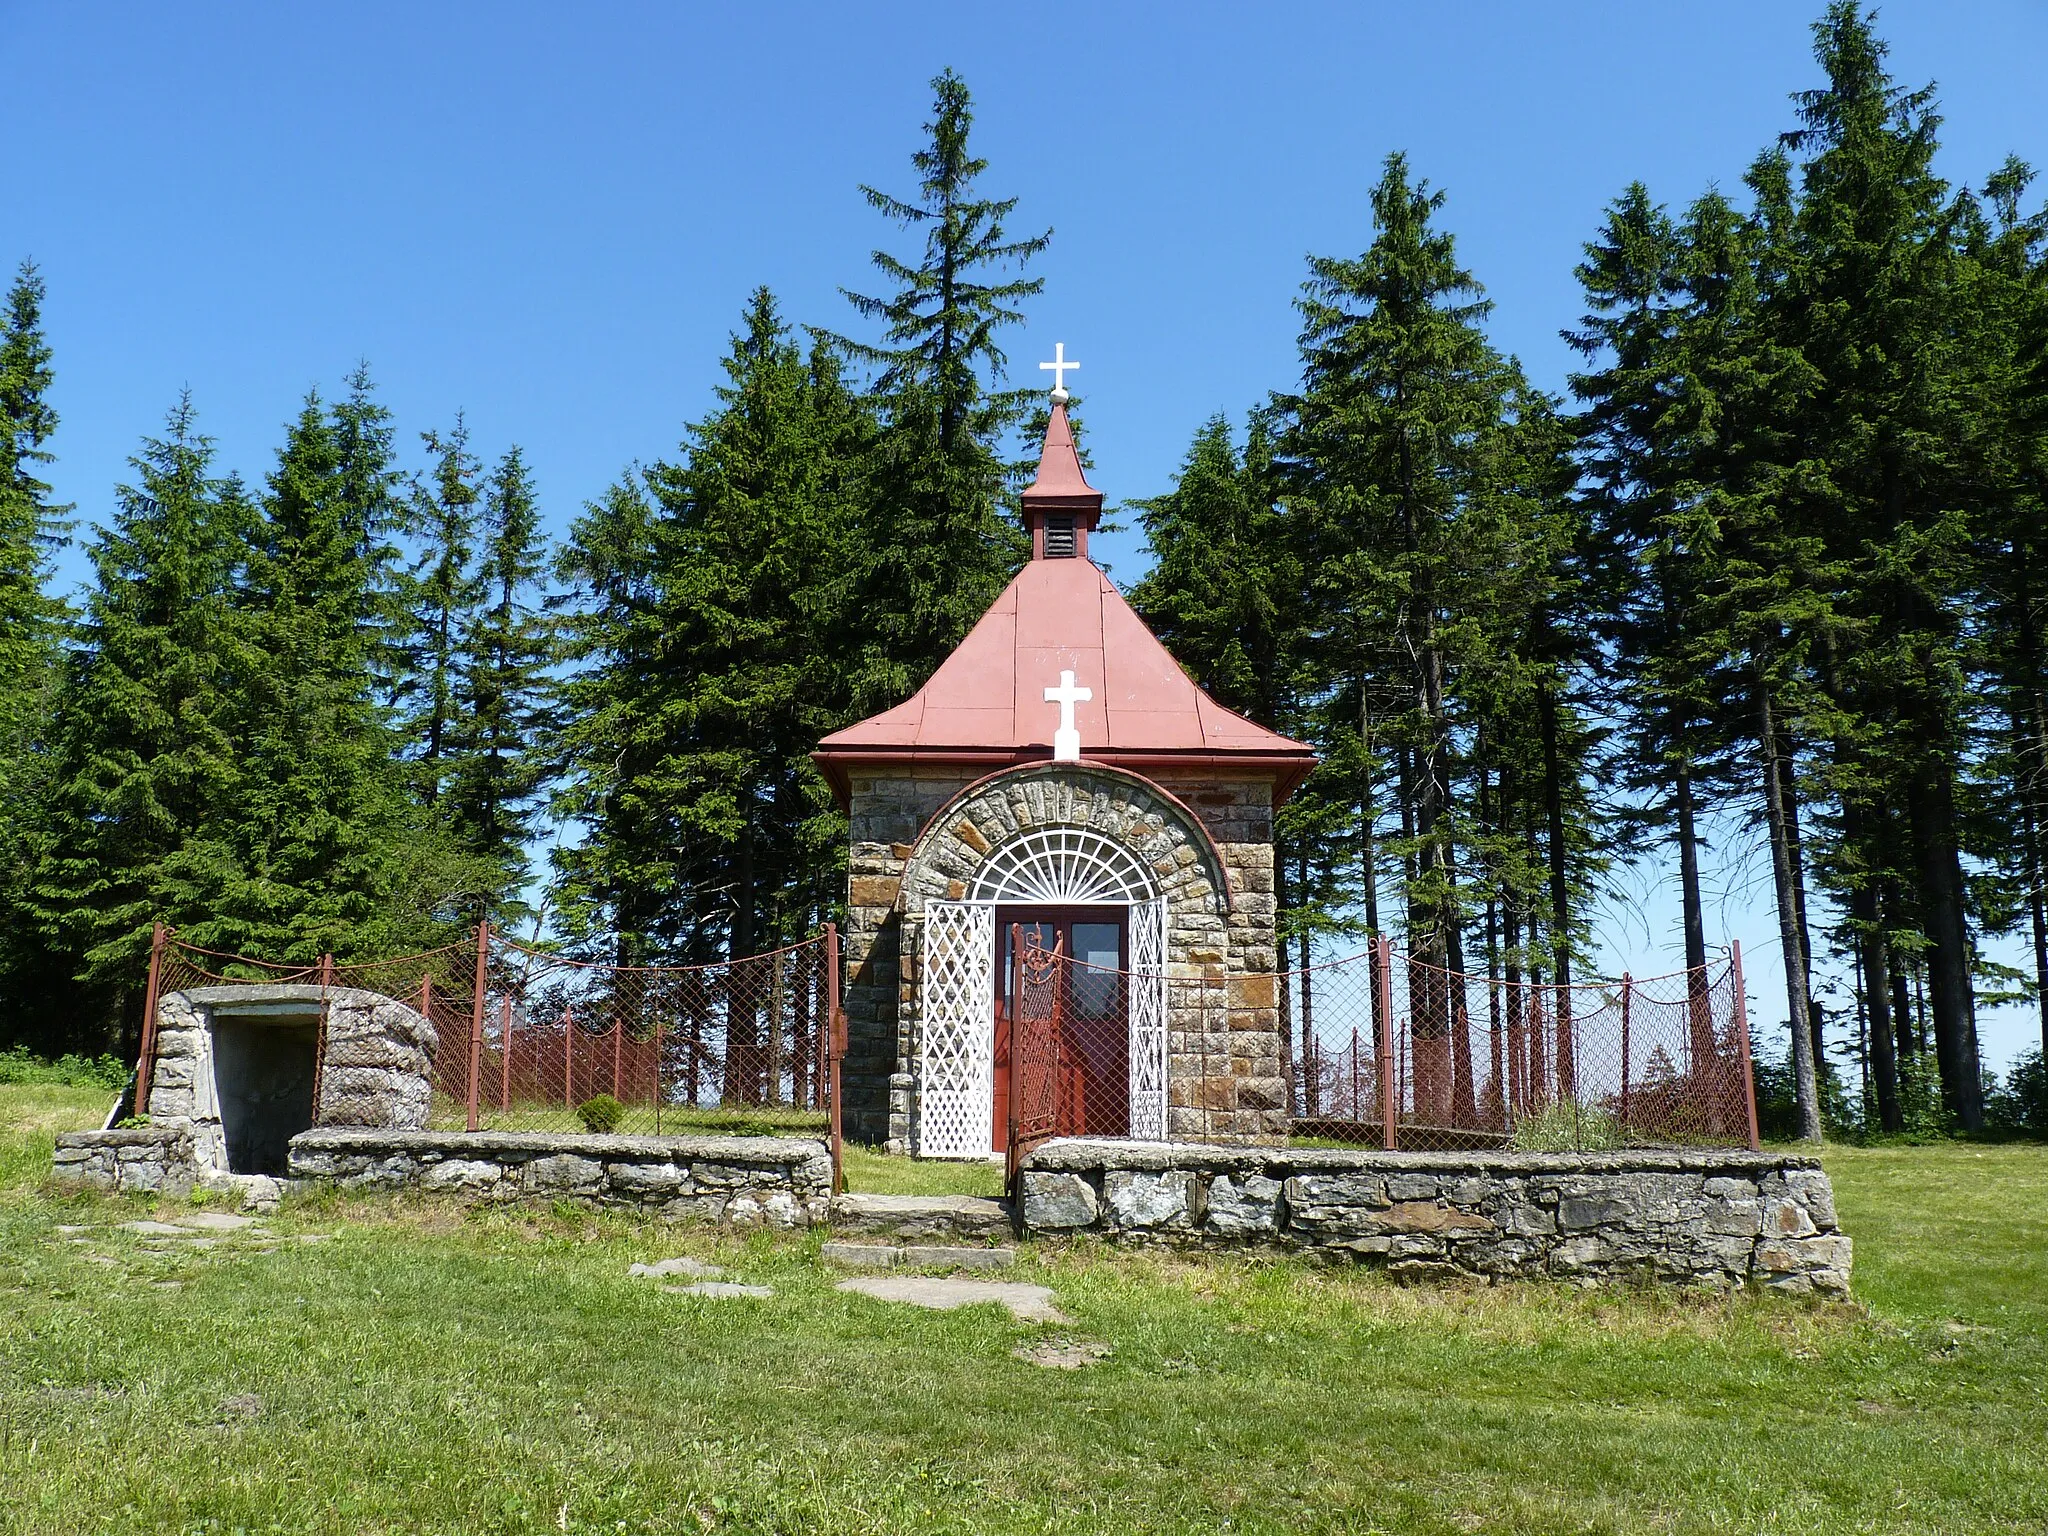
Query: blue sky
x=549, y=217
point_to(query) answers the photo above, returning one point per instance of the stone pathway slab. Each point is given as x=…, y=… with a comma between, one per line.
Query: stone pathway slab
x=155, y=1229
x=933, y=1256
x=1031, y=1303
x=862, y=1255
x=216, y=1221
x=663, y=1269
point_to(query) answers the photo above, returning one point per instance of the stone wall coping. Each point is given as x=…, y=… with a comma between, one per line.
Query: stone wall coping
x=134, y=1136
x=1071, y=1154
x=760, y=1150
x=263, y=992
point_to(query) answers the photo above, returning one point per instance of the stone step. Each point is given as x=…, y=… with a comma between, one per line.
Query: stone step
x=901, y=1217
x=916, y=1256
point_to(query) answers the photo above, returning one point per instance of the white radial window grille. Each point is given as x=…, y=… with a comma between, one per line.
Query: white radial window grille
x=1148, y=1020
x=957, y=1000
x=1061, y=865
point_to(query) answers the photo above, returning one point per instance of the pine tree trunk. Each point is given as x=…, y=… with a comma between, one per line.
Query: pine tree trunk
x=1560, y=890
x=1788, y=778
x=1931, y=813
x=1877, y=987
x=1706, y=1047
x=742, y=1029
x=1368, y=821
x=1902, y=1004
x=2037, y=908
x=1464, y=1097
x=1806, y=1090
x=2030, y=775
x=1368, y=853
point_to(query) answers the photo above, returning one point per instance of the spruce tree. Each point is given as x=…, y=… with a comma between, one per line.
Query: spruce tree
x=329, y=852
x=938, y=545
x=2006, y=272
x=1224, y=590
x=29, y=522
x=503, y=691
x=439, y=597
x=715, y=621
x=1869, y=301
x=148, y=756
x=31, y=628
x=1432, y=489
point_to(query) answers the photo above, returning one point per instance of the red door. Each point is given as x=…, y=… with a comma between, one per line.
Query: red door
x=1093, y=1050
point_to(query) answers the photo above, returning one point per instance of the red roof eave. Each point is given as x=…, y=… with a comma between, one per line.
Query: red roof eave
x=1285, y=769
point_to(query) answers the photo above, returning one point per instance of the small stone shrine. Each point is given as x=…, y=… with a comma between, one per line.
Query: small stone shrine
x=238, y=1070
x=1061, y=771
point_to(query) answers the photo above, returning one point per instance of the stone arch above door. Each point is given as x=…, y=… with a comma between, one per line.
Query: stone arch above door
x=996, y=829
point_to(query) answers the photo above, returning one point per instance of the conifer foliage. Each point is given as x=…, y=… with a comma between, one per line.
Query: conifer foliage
x=1765, y=600
x=715, y=612
x=939, y=544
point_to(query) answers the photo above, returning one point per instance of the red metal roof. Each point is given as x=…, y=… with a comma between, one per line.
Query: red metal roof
x=986, y=703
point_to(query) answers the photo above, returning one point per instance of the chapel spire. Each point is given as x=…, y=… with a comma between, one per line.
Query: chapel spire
x=1060, y=507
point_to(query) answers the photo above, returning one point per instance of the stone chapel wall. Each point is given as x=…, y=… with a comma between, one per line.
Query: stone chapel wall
x=1224, y=1071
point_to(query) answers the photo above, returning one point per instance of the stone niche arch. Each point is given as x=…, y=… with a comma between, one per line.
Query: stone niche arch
x=993, y=821
x=1062, y=834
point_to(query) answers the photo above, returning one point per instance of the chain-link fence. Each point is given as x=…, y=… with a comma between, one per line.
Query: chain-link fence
x=1382, y=1049
x=498, y=1035
x=742, y=1045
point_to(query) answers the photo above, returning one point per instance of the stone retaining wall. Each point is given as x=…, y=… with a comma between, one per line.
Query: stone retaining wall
x=1720, y=1219
x=153, y=1159
x=739, y=1181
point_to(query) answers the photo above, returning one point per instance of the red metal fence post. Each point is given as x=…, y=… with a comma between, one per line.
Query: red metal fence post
x=326, y=974
x=476, y=1022
x=1742, y=1041
x=1627, y=991
x=145, y=1060
x=838, y=1049
x=1014, y=1108
x=658, y=1043
x=426, y=1010
x=1383, y=989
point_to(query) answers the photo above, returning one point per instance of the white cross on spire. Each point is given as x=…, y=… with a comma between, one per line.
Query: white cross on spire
x=1058, y=368
x=1066, y=741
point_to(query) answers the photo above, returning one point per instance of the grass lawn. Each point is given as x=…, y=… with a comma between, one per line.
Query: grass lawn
x=419, y=1369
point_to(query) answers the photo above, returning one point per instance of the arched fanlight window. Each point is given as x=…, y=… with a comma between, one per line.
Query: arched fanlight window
x=1060, y=865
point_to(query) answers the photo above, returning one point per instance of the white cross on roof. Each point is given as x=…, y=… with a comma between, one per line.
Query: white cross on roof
x=1058, y=367
x=1066, y=741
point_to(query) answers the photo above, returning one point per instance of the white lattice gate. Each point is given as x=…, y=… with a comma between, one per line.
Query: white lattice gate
x=1148, y=1019
x=956, y=1011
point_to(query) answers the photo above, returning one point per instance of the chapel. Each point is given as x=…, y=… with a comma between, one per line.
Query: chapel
x=1061, y=777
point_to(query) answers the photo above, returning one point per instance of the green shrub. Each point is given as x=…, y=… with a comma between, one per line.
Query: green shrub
x=1567, y=1127
x=18, y=1065
x=2019, y=1106
x=601, y=1115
